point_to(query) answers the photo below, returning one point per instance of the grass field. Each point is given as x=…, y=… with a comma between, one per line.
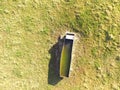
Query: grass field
x=29, y=31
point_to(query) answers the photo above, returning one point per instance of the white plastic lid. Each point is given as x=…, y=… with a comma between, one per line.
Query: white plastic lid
x=70, y=36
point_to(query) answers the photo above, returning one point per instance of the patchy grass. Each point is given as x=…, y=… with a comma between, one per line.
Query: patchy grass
x=30, y=28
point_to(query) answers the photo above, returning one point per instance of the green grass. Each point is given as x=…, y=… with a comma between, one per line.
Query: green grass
x=29, y=29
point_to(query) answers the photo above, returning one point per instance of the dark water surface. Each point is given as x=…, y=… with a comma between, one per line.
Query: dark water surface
x=66, y=58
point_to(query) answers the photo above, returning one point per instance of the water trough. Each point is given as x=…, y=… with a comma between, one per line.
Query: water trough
x=66, y=55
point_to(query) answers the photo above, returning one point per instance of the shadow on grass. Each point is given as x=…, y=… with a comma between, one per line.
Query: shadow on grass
x=54, y=64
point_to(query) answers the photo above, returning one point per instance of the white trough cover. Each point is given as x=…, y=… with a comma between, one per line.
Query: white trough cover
x=70, y=36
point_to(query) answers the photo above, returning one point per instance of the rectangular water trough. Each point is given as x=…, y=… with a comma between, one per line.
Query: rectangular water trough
x=66, y=55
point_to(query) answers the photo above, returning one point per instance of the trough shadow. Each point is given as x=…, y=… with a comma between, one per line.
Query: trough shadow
x=54, y=64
